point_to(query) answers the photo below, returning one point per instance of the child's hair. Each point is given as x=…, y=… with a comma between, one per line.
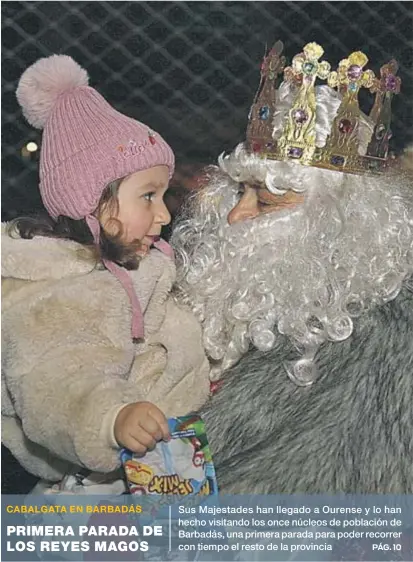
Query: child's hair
x=111, y=246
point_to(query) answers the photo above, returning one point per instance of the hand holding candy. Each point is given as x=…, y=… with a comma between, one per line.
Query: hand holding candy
x=139, y=426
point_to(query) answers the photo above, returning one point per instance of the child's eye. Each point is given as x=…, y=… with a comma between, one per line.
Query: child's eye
x=149, y=196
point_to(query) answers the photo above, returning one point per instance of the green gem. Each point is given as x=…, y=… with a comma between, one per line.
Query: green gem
x=271, y=75
x=308, y=68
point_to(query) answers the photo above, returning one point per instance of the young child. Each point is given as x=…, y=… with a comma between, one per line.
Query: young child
x=94, y=356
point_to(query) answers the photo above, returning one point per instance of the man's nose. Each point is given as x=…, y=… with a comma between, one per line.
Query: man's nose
x=246, y=208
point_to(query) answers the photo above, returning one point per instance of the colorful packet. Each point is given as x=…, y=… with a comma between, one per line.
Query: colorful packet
x=182, y=467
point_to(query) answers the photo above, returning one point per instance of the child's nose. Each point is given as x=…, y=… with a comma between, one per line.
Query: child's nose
x=163, y=216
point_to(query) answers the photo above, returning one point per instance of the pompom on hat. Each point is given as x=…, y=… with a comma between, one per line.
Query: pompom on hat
x=86, y=145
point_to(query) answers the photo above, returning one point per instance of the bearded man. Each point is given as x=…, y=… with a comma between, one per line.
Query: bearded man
x=297, y=257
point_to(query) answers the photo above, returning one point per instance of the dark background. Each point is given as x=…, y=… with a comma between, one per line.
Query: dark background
x=187, y=69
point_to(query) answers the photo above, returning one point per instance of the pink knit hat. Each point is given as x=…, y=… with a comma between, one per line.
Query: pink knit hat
x=86, y=145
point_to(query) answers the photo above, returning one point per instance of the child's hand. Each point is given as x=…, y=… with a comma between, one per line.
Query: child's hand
x=139, y=426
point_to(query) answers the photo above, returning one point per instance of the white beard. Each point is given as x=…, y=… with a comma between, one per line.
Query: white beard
x=306, y=273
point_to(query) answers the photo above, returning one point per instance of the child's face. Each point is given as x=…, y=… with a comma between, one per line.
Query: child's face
x=142, y=211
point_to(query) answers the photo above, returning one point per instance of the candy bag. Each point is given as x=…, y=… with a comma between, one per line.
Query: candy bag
x=182, y=467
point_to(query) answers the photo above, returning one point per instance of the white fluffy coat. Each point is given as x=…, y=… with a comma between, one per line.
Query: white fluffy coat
x=69, y=363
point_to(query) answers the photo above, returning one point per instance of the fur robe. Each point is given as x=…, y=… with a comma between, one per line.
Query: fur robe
x=352, y=431
x=68, y=361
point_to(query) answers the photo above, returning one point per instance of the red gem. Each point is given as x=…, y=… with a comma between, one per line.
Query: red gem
x=152, y=139
x=345, y=126
x=256, y=147
x=215, y=386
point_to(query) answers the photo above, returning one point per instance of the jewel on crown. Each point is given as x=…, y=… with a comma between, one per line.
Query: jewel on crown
x=298, y=141
x=260, y=127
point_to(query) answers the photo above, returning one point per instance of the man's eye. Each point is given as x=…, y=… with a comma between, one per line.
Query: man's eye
x=241, y=190
x=149, y=196
x=266, y=202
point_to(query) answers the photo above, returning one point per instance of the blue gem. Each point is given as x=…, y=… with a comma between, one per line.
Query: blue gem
x=295, y=152
x=337, y=160
x=264, y=112
x=352, y=87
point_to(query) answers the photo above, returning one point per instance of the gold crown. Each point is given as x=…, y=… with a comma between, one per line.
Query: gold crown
x=298, y=140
